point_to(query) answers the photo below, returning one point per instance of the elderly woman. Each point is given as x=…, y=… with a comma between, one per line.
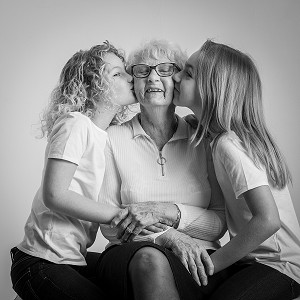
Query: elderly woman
x=167, y=185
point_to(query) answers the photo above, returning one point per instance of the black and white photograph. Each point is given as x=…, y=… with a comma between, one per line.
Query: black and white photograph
x=150, y=150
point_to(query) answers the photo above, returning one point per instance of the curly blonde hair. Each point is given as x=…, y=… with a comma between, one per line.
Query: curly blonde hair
x=81, y=86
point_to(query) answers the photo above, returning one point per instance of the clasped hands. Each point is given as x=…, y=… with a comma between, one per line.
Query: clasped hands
x=141, y=218
x=150, y=217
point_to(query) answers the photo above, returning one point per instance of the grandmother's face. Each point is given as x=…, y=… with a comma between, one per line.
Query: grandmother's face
x=154, y=90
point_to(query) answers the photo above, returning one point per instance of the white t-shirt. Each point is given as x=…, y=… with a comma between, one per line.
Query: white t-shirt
x=236, y=174
x=54, y=236
x=134, y=173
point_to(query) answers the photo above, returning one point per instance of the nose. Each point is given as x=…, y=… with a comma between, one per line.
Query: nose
x=153, y=76
x=129, y=78
x=177, y=77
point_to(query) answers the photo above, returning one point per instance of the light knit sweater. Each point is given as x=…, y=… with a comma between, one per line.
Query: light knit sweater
x=136, y=171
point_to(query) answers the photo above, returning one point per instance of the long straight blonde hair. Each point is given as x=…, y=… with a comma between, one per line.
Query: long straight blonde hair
x=231, y=95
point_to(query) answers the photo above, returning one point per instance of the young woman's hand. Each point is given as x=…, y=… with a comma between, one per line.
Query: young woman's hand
x=192, y=255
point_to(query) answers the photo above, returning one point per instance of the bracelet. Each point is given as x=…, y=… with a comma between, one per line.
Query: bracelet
x=176, y=222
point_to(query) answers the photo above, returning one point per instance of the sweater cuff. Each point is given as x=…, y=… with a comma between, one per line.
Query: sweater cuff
x=183, y=219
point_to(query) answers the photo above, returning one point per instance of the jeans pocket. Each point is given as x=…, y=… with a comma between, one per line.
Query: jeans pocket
x=27, y=284
x=20, y=259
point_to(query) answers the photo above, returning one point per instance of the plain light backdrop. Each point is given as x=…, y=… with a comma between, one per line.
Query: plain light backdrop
x=39, y=36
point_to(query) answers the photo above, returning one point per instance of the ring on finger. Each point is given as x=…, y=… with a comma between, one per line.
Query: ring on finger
x=129, y=230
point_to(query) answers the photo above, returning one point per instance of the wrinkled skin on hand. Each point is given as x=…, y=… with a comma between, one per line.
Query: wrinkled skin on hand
x=190, y=252
x=141, y=218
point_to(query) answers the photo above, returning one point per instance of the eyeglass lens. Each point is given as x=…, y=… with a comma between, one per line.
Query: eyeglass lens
x=163, y=69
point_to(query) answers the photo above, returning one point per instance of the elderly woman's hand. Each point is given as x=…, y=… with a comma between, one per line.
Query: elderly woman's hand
x=135, y=217
x=191, y=253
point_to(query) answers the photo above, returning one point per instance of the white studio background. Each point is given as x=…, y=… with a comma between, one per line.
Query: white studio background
x=39, y=36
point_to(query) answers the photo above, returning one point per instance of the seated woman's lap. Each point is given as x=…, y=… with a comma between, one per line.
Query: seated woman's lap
x=115, y=264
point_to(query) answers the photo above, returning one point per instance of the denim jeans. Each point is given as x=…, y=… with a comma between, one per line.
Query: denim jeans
x=256, y=282
x=36, y=278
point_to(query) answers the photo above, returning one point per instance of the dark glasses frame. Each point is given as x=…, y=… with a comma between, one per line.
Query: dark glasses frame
x=155, y=68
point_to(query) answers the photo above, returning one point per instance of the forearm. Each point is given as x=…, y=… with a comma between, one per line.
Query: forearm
x=197, y=222
x=203, y=224
x=77, y=206
x=253, y=234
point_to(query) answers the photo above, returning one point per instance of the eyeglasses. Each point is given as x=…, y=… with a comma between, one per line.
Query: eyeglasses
x=163, y=69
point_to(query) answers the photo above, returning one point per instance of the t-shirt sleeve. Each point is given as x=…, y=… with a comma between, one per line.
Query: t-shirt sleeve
x=69, y=139
x=241, y=170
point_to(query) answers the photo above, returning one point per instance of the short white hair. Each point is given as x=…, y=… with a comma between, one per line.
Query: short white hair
x=156, y=49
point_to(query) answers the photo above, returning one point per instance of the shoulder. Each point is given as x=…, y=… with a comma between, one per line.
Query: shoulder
x=228, y=146
x=73, y=119
x=228, y=149
x=70, y=137
x=71, y=123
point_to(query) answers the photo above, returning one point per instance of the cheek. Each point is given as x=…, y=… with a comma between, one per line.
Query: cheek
x=139, y=87
x=196, y=93
x=191, y=90
x=119, y=89
x=139, y=93
x=184, y=90
x=187, y=94
x=169, y=86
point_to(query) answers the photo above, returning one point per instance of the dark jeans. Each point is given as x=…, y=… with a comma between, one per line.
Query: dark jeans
x=256, y=282
x=35, y=278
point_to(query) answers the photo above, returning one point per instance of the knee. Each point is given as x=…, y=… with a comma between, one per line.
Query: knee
x=147, y=260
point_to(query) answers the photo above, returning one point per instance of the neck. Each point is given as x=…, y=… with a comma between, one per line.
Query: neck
x=103, y=116
x=213, y=128
x=160, y=124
